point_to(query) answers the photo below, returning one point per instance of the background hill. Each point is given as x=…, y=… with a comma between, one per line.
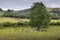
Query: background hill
x=51, y=10
x=55, y=13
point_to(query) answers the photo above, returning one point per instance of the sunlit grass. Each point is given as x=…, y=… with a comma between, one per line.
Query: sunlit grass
x=12, y=20
x=17, y=29
x=15, y=33
x=55, y=20
x=25, y=33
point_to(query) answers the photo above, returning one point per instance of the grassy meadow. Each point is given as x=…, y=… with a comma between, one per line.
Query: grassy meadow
x=22, y=33
x=12, y=20
x=28, y=33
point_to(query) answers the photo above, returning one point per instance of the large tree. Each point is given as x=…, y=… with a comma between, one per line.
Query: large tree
x=39, y=16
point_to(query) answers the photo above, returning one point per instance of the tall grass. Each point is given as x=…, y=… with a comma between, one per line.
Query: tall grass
x=26, y=32
x=10, y=33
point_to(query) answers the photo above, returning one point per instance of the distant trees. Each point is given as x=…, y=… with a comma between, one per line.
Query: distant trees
x=56, y=10
x=9, y=10
x=39, y=16
x=8, y=13
x=1, y=9
x=55, y=13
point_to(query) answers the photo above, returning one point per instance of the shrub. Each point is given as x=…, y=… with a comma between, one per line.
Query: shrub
x=0, y=25
x=58, y=23
x=21, y=24
x=55, y=23
x=6, y=24
x=18, y=24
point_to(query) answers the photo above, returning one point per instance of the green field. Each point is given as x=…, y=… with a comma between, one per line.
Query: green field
x=55, y=20
x=28, y=33
x=20, y=33
x=11, y=20
x=14, y=20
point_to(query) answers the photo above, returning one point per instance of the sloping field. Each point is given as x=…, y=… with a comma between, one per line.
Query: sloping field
x=11, y=20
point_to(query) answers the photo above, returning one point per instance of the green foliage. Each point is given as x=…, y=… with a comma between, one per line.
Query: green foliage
x=39, y=16
x=18, y=24
x=55, y=23
x=6, y=24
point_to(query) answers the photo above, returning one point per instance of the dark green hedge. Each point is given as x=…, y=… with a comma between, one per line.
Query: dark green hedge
x=18, y=24
x=55, y=23
x=7, y=24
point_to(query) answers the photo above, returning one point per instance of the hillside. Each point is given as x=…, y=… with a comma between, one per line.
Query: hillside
x=55, y=13
x=26, y=11
x=23, y=12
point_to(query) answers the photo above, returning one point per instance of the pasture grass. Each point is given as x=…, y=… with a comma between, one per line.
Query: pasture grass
x=25, y=33
x=17, y=33
x=12, y=20
x=55, y=20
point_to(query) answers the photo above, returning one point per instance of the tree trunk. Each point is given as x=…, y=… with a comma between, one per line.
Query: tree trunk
x=38, y=28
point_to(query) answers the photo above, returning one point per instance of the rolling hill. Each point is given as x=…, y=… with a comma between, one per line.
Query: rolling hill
x=55, y=12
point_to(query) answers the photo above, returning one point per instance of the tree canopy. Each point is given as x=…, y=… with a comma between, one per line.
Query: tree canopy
x=39, y=16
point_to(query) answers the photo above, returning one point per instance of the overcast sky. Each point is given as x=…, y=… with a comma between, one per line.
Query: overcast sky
x=23, y=4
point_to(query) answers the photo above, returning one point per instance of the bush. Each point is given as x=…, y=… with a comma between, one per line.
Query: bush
x=21, y=24
x=0, y=25
x=18, y=24
x=55, y=23
x=6, y=24
x=58, y=23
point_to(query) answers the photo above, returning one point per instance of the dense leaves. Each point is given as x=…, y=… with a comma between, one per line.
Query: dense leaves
x=39, y=16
